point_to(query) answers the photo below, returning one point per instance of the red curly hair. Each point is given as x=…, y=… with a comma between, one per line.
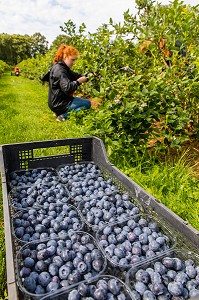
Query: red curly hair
x=65, y=50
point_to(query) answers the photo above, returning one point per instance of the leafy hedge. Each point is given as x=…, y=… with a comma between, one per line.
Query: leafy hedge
x=3, y=67
x=144, y=100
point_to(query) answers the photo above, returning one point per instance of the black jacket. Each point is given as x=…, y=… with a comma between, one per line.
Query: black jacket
x=62, y=84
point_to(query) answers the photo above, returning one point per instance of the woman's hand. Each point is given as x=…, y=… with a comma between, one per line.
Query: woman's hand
x=82, y=79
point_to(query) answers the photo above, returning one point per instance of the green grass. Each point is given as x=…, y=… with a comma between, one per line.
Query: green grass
x=24, y=113
x=25, y=117
x=173, y=183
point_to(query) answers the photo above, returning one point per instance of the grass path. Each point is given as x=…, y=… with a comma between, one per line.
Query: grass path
x=25, y=117
x=24, y=113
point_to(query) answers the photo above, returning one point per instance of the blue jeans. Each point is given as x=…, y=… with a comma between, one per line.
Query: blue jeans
x=77, y=105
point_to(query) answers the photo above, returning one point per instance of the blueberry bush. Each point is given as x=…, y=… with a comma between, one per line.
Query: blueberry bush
x=3, y=67
x=151, y=94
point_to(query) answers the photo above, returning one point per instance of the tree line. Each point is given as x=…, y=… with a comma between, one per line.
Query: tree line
x=15, y=48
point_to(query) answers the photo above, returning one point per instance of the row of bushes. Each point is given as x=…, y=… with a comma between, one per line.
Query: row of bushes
x=143, y=100
x=3, y=67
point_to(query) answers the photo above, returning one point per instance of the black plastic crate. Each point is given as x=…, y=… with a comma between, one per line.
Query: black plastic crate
x=53, y=153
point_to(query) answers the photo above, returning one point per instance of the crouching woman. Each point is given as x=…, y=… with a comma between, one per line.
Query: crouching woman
x=63, y=82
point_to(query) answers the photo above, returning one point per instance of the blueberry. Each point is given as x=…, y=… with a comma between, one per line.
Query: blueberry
x=171, y=274
x=82, y=267
x=92, y=289
x=150, y=254
x=52, y=286
x=101, y=283
x=109, y=250
x=68, y=244
x=42, y=254
x=160, y=268
x=114, y=286
x=135, y=259
x=30, y=284
x=87, y=258
x=175, y=288
x=127, y=245
x=34, y=254
x=191, y=271
x=19, y=232
x=181, y=277
x=64, y=272
x=119, y=252
x=154, y=246
x=58, y=261
x=51, y=250
x=137, y=249
x=83, y=249
x=107, y=230
x=96, y=254
x=143, y=276
x=131, y=236
x=161, y=240
x=40, y=228
x=34, y=275
x=123, y=262
x=178, y=264
x=166, y=279
x=64, y=283
x=143, y=238
x=97, y=265
x=44, y=278
x=74, y=277
x=153, y=226
x=53, y=269
x=28, y=262
x=83, y=289
x=88, y=276
x=26, y=253
x=191, y=284
x=74, y=295
x=25, y=272
x=40, y=290
x=157, y=288
x=41, y=246
x=41, y=266
x=121, y=237
x=148, y=295
x=189, y=262
x=168, y=262
x=16, y=222
x=135, y=295
x=140, y=287
x=99, y=294
x=156, y=277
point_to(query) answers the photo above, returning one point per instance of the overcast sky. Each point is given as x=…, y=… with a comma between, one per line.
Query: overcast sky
x=46, y=16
